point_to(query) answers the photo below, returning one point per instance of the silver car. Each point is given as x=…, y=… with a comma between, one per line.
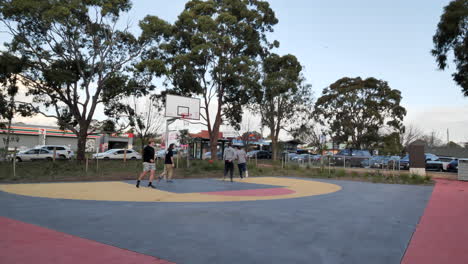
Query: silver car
x=34, y=154
x=117, y=154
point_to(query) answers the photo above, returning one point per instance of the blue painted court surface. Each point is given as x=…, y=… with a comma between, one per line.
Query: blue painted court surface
x=362, y=223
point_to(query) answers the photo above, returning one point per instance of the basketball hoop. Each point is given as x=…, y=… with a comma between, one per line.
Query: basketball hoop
x=185, y=117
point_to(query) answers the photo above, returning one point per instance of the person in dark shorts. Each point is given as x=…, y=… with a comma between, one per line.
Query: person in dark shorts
x=148, y=164
x=169, y=163
x=229, y=157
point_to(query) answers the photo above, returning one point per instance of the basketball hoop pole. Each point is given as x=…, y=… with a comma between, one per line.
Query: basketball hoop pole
x=168, y=122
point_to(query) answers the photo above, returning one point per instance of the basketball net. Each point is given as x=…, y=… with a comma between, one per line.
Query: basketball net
x=185, y=119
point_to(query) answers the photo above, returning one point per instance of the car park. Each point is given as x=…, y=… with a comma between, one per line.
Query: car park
x=118, y=154
x=34, y=154
x=61, y=151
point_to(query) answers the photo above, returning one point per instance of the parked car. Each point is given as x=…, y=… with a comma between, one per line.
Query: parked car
x=391, y=162
x=446, y=161
x=352, y=157
x=61, y=151
x=373, y=162
x=452, y=166
x=207, y=155
x=259, y=154
x=117, y=154
x=34, y=154
x=303, y=158
x=290, y=156
x=432, y=162
x=404, y=163
x=161, y=154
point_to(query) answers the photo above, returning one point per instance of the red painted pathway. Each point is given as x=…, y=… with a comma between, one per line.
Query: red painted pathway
x=22, y=243
x=442, y=234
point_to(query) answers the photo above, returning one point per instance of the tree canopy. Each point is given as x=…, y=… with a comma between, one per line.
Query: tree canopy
x=452, y=35
x=357, y=110
x=284, y=100
x=212, y=53
x=75, y=56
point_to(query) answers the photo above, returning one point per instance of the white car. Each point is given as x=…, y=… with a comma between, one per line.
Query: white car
x=61, y=151
x=117, y=154
x=34, y=154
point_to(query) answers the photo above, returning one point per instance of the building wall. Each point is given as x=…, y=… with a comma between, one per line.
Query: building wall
x=25, y=141
x=32, y=135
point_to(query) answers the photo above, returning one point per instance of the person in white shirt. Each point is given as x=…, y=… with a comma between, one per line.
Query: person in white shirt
x=229, y=157
x=241, y=157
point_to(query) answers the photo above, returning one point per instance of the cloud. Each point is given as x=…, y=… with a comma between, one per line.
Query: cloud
x=440, y=118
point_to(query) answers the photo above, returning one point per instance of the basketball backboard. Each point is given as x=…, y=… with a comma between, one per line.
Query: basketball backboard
x=181, y=106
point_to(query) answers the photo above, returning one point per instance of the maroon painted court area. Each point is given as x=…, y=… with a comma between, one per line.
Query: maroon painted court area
x=26, y=243
x=254, y=192
x=442, y=234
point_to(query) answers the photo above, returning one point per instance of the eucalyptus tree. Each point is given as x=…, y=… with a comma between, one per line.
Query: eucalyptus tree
x=76, y=56
x=452, y=35
x=355, y=110
x=212, y=53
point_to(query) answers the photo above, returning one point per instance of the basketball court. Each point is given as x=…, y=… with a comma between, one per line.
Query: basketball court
x=257, y=220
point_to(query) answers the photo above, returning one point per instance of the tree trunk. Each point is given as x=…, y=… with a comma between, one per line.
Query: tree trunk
x=214, y=135
x=7, y=140
x=274, y=146
x=10, y=118
x=214, y=144
x=82, y=136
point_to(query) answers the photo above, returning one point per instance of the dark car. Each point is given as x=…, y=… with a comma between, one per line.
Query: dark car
x=453, y=166
x=350, y=157
x=432, y=162
x=263, y=154
x=372, y=162
x=404, y=163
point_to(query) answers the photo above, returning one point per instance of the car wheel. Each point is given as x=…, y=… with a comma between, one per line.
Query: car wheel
x=63, y=157
x=133, y=158
x=18, y=159
x=106, y=158
x=49, y=159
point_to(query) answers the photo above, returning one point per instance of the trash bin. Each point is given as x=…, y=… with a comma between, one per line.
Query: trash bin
x=463, y=169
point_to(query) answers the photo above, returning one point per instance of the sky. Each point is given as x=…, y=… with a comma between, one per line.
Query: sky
x=388, y=40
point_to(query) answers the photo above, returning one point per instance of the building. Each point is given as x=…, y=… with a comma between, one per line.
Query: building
x=201, y=144
x=28, y=136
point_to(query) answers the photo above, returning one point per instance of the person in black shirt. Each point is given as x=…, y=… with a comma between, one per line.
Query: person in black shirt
x=148, y=164
x=169, y=163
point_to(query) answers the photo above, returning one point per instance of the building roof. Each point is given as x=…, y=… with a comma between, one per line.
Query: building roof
x=205, y=135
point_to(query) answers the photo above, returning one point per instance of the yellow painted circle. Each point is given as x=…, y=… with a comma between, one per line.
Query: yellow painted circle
x=120, y=191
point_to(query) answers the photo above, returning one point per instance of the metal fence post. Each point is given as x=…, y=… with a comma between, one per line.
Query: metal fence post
x=55, y=153
x=14, y=164
x=87, y=161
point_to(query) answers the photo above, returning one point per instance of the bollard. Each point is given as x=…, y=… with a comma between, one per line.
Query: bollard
x=87, y=160
x=125, y=156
